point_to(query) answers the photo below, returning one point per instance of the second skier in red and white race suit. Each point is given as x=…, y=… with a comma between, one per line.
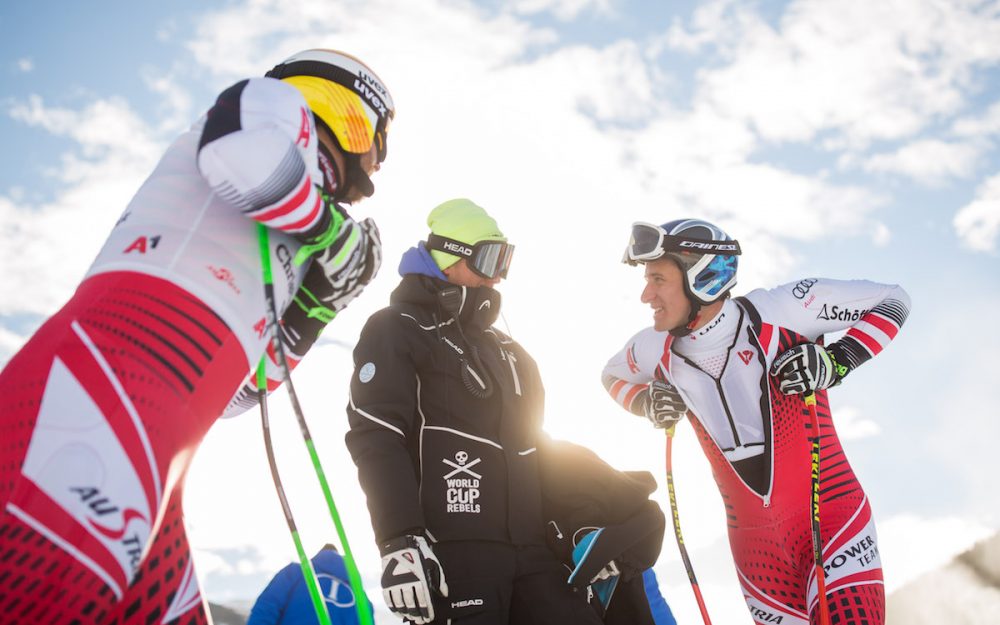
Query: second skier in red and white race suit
x=731, y=363
x=103, y=408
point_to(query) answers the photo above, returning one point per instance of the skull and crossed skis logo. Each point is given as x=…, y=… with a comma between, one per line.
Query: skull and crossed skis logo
x=462, y=484
x=462, y=466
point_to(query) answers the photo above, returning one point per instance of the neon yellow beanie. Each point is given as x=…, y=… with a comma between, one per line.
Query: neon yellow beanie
x=464, y=221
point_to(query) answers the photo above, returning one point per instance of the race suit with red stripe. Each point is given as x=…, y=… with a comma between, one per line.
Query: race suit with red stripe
x=758, y=440
x=103, y=408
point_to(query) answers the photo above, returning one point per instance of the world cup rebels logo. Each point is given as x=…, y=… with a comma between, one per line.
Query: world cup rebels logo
x=462, y=483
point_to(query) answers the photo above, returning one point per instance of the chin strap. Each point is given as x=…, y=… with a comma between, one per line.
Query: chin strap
x=356, y=176
x=684, y=330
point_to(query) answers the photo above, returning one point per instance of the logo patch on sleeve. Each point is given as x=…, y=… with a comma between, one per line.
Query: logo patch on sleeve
x=367, y=372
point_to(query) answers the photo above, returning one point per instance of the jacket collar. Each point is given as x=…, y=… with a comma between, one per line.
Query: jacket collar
x=477, y=307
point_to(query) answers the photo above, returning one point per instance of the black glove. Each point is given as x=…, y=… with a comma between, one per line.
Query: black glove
x=664, y=405
x=342, y=269
x=410, y=572
x=806, y=368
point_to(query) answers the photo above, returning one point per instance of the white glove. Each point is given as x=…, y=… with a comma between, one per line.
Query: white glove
x=610, y=570
x=805, y=368
x=410, y=572
x=664, y=405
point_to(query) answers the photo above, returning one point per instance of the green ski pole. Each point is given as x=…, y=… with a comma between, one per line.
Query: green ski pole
x=307, y=571
x=360, y=598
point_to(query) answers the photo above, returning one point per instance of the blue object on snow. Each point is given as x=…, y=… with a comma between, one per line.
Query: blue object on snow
x=286, y=600
x=657, y=604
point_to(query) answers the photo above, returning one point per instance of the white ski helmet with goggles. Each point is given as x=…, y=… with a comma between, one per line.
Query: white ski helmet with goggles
x=705, y=254
x=348, y=98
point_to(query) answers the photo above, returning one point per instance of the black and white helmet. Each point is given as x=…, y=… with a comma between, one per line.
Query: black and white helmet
x=706, y=255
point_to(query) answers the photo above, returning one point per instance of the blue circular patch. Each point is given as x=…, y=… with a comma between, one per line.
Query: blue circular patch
x=367, y=372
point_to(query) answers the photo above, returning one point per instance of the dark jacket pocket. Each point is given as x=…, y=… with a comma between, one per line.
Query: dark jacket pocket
x=467, y=597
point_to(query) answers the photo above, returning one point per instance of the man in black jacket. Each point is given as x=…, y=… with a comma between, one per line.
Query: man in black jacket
x=446, y=417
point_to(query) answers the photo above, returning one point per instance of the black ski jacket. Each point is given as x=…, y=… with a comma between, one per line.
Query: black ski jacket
x=445, y=414
x=583, y=493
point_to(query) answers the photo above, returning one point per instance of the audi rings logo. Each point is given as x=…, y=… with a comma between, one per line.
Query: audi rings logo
x=801, y=289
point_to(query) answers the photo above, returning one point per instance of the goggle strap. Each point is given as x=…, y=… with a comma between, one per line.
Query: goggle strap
x=450, y=246
x=675, y=243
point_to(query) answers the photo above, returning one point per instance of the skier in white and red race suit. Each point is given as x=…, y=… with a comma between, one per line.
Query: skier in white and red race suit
x=103, y=408
x=739, y=369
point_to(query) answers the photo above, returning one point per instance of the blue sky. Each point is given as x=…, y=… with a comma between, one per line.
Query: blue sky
x=844, y=140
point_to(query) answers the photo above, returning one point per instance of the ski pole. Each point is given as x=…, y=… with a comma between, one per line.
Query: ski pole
x=817, y=539
x=307, y=570
x=360, y=598
x=677, y=530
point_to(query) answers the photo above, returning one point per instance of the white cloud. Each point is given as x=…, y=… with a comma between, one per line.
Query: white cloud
x=986, y=124
x=881, y=236
x=978, y=222
x=106, y=127
x=852, y=426
x=562, y=9
x=721, y=23
x=929, y=162
x=25, y=65
x=868, y=70
x=9, y=341
x=448, y=42
x=175, y=111
x=700, y=164
x=49, y=246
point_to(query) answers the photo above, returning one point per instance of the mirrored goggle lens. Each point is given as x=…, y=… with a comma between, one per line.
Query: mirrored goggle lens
x=645, y=242
x=492, y=259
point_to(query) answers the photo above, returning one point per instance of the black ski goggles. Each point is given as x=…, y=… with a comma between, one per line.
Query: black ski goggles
x=650, y=242
x=489, y=259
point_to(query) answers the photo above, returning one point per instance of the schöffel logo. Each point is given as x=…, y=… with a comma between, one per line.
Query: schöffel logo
x=721, y=247
x=460, y=249
x=836, y=313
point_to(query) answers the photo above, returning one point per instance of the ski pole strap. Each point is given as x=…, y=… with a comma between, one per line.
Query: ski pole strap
x=314, y=309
